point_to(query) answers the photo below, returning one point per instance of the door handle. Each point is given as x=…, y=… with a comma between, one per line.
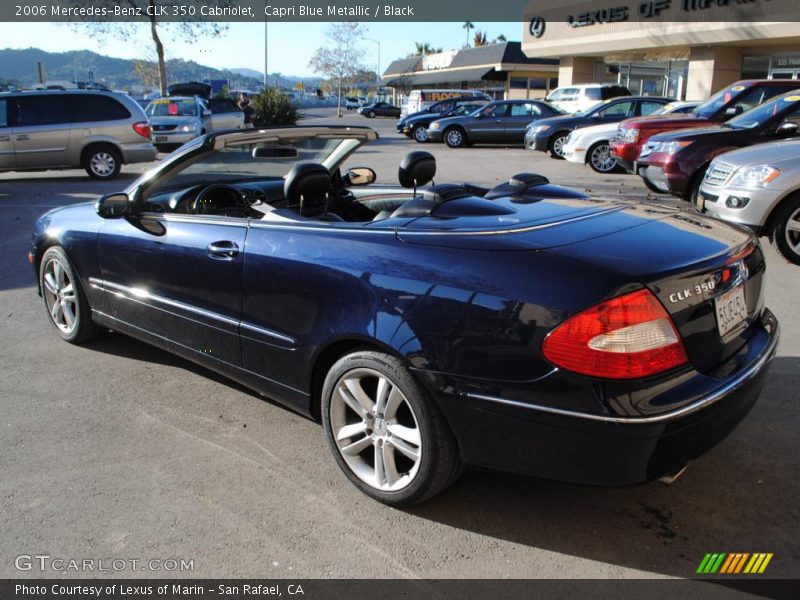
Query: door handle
x=223, y=249
x=22, y=138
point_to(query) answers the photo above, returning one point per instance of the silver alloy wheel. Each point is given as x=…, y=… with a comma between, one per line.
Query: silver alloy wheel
x=102, y=164
x=420, y=134
x=376, y=430
x=793, y=231
x=558, y=145
x=59, y=294
x=602, y=160
x=454, y=137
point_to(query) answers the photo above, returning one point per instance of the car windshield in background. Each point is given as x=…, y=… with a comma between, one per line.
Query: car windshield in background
x=745, y=97
x=166, y=107
x=262, y=161
x=766, y=111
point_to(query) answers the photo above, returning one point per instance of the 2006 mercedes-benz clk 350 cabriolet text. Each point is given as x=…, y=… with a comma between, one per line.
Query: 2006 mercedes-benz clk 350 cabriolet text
x=526, y=328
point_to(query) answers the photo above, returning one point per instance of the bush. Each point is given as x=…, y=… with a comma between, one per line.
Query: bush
x=271, y=107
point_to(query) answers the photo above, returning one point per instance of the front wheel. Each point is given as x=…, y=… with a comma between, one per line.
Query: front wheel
x=385, y=432
x=601, y=160
x=557, y=145
x=455, y=137
x=420, y=134
x=371, y=114
x=785, y=230
x=67, y=308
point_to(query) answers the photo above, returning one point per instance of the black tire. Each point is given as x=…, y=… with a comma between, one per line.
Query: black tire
x=102, y=161
x=556, y=144
x=455, y=137
x=439, y=463
x=595, y=161
x=83, y=328
x=420, y=134
x=371, y=114
x=693, y=189
x=786, y=241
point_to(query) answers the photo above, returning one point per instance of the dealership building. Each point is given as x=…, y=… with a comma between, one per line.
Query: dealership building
x=501, y=70
x=662, y=47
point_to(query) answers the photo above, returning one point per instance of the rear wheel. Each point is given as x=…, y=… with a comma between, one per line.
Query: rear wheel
x=67, y=308
x=455, y=137
x=785, y=230
x=102, y=162
x=556, y=145
x=420, y=133
x=600, y=158
x=371, y=114
x=384, y=431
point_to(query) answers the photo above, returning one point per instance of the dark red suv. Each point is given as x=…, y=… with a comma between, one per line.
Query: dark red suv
x=675, y=162
x=727, y=103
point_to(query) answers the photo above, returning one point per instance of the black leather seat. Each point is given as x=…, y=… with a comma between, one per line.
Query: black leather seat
x=417, y=168
x=307, y=188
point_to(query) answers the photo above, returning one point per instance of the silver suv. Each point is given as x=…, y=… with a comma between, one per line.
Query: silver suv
x=177, y=120
x=758, y=187
x=98, y=131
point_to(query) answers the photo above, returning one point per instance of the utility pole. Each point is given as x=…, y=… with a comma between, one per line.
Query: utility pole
x=266, y=51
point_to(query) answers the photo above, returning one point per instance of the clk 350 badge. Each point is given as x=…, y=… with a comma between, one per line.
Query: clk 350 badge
x=702, y=288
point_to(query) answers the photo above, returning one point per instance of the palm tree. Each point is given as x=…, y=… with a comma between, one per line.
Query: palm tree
x=468, y=25
x=480, y=39
x=501, y=38
x=423, y=48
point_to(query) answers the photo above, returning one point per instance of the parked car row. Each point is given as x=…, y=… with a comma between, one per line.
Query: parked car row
x=100, y=131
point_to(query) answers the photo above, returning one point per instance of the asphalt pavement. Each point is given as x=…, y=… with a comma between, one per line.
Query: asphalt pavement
x=118, y=450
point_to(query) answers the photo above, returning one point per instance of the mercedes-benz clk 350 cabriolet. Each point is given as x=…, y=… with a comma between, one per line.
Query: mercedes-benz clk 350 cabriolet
x=526, y=328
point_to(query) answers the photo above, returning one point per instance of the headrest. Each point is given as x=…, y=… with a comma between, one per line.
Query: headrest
x=524, y=180
x=307, y=186
x=444, y=192
x=517, y=185
x=417, y=168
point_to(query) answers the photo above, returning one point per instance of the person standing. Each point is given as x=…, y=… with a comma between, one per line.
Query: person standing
x=246, y=107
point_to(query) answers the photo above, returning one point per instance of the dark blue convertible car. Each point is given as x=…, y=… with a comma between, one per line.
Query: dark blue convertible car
x=428, y=326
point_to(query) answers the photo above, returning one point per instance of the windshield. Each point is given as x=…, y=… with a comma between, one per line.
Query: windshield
x=758, y=116
x=170, y=107
x=735, y=96
x=255, y=161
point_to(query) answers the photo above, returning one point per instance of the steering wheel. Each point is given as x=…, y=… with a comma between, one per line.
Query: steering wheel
x=217, y=198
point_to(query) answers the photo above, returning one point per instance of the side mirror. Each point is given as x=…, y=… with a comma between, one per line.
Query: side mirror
x=113, y=206
x=359, y=176
x=787, y=129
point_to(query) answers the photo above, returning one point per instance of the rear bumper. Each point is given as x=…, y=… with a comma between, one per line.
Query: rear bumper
x=511, y=435
x=138, y=153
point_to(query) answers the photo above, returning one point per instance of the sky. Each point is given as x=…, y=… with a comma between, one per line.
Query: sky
x=290, y=45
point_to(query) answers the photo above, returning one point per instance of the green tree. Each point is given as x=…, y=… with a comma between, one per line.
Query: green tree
x=480, y=39
x=191, y=31
x=501, y=38
x=423, y=48
x=272, y=107
x=341, y=58
x=468, y=25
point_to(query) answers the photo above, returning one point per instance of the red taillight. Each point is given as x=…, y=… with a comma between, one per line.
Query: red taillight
x=143, y=129
x=627, y=337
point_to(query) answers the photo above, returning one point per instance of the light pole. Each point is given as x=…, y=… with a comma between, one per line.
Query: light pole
x=379, y=59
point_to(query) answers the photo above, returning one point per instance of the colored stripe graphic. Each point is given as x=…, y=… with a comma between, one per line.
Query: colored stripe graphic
x=734, y=563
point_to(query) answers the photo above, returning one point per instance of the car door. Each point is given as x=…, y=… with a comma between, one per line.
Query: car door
x=225, y=114
x=519, y=116
x=205, y=115
x=6, y=137
x=489, y=125
x=177, y=277
x=41, y=131
x=647, y=107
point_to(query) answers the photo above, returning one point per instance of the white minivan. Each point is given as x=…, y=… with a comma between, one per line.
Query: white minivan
x=421, y=99
x=577, y=98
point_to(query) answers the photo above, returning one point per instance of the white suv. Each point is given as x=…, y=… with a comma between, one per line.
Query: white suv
x=577, y=98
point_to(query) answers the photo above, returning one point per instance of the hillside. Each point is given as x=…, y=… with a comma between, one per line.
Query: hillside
x=18, y=67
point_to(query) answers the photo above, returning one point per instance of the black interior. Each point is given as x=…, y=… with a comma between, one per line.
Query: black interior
x=311, y=192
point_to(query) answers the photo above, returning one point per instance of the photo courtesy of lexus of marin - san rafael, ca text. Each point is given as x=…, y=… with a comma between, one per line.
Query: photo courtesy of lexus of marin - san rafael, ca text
x=458, y=300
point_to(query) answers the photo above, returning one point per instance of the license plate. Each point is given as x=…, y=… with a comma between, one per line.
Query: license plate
x=161, y=138
x=731, y=310
x=700, y=203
